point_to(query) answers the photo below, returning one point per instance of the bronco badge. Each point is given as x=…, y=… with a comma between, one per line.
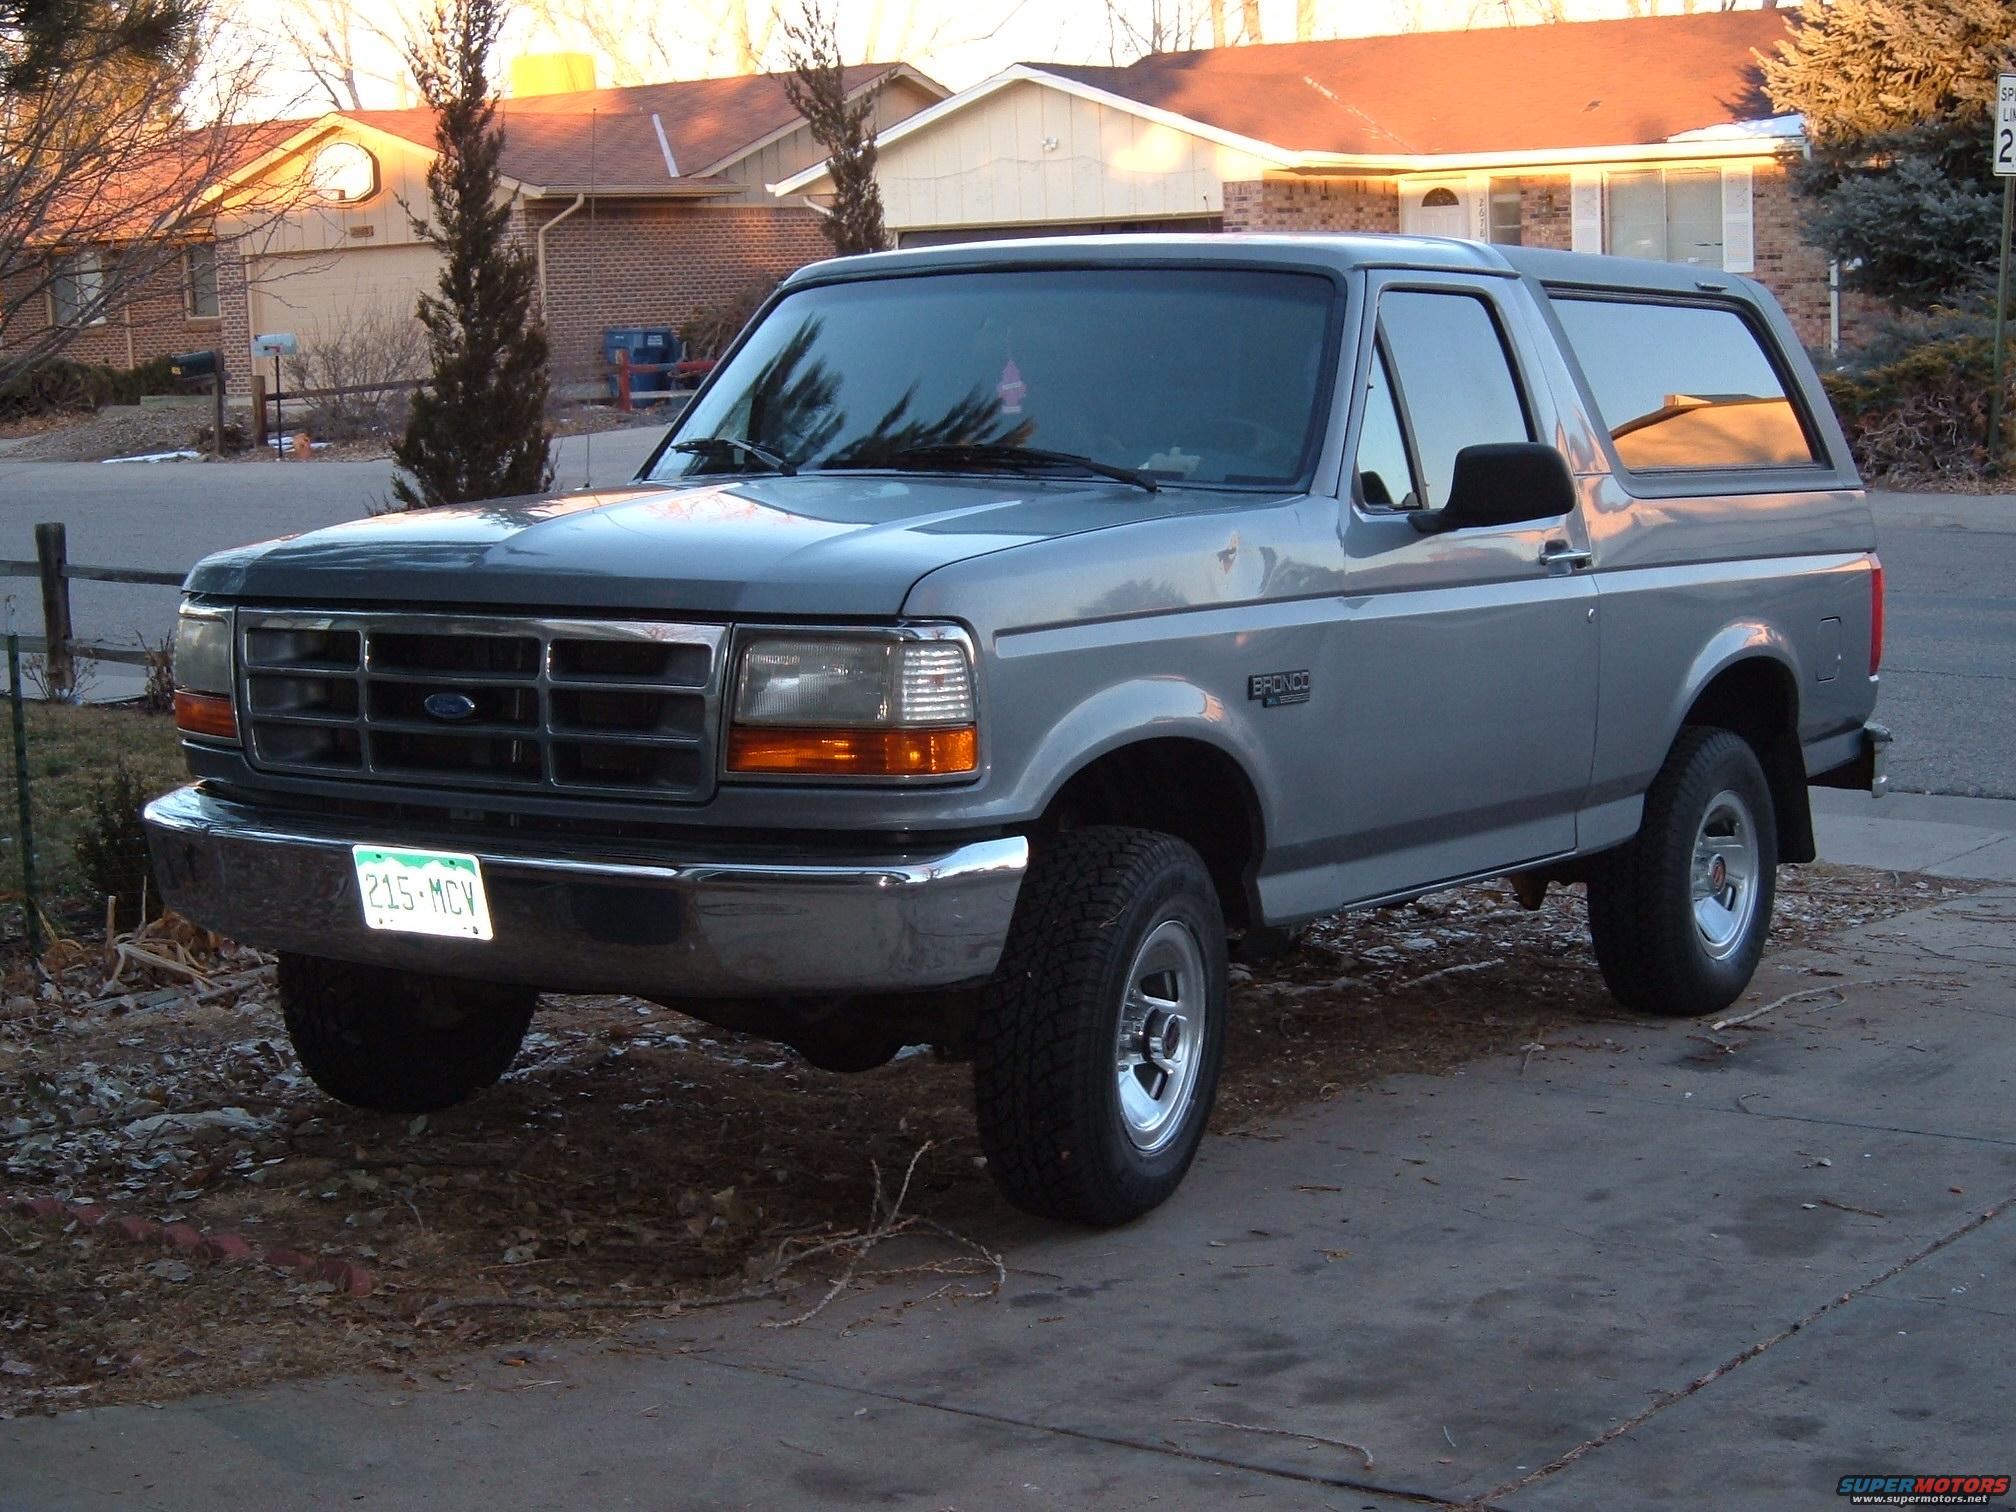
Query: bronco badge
x=1273, y=689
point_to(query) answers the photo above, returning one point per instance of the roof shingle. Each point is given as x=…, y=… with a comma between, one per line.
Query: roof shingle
x=1493, y=89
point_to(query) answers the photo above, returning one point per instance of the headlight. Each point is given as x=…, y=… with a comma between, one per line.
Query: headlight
x=203, y=674
x=858, y=705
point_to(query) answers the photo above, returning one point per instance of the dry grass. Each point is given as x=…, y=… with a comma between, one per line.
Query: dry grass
x=636, y=1162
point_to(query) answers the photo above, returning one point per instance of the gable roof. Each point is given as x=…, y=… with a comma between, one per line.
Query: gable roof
x=669, y=136
x=1601, y=83
x=1420, y=99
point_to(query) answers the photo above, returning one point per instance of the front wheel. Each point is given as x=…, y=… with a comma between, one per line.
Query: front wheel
x=1679, y=916
x=398, y=1041
x=1101, y=1036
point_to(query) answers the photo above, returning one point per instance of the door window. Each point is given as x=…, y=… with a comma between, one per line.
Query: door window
x=1385, y=473
x=1452, y=386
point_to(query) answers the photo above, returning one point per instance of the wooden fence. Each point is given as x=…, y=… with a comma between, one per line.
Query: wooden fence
x=58, y=642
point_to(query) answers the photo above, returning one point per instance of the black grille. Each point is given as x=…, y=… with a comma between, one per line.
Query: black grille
x=561, y=705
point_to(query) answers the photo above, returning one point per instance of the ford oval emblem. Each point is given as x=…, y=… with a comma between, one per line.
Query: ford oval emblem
x=449, y=705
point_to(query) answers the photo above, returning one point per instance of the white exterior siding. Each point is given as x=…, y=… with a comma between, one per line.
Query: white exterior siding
x=1033, y=156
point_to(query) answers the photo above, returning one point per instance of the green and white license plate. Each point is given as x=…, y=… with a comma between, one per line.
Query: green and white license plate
x=422, y=892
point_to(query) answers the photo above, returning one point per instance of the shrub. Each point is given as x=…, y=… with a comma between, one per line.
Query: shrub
x=1922, y=411
x=708, y=333
x=60, y=384
x=111, y=845
x=376, y=348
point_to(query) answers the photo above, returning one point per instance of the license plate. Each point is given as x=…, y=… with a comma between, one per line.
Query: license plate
x=422, y=892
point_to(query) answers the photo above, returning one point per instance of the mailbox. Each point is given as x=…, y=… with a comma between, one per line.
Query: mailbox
x=193, y=365
x=275, y=344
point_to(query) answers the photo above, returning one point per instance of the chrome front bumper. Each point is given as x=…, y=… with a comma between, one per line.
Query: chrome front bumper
x=569, y=918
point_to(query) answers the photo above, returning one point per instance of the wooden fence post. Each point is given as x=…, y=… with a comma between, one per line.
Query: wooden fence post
x=258, y=409
x=217, y=405
x=52, y=556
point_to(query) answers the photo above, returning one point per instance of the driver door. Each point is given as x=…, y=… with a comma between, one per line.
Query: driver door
x=1469, y=658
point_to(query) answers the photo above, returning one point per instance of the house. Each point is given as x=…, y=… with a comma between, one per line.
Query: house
x=1644, y=137
x=641, y=206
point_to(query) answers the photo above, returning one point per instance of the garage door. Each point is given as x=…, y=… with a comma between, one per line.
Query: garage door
x=359, y=297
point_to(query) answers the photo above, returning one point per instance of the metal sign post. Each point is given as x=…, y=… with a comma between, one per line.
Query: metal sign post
x=2003, y=155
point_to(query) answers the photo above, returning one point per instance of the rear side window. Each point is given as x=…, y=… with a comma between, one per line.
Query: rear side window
x=1683, y=386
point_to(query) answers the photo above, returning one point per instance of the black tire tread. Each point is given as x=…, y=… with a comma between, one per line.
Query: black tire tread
x=1035, y=1036
x=361, y=1035
x=1647, y=951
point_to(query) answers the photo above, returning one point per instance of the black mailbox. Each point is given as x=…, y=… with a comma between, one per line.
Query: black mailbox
x=193, y=365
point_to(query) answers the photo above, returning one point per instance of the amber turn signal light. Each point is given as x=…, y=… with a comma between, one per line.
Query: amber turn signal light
x=853, y=753
x=206, y=714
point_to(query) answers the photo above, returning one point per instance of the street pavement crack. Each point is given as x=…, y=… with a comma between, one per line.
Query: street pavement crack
x=1735, y=1362
x=1166, y=1448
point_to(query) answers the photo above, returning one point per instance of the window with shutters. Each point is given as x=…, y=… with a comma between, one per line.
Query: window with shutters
x=1665, y=215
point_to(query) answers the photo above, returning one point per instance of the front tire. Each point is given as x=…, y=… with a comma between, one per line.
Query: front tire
x=1679, y=916
x=1101, y=1037
x=399, y=1041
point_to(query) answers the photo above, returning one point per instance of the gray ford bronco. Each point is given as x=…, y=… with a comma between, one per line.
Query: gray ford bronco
x=1006, y=632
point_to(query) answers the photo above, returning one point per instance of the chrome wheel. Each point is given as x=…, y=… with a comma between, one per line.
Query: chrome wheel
x=1161, y=1039
x=1724, y=875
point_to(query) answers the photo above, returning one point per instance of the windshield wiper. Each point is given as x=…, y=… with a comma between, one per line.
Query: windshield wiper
x=954, y=454
x=702, y=445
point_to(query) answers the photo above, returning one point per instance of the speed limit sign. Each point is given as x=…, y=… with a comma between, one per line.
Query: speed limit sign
x=2005, y=125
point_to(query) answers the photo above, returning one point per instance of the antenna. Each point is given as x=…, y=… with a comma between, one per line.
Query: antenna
x=594, y=294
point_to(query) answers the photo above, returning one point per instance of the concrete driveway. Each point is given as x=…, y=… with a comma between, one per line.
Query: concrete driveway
x=1648, y=1265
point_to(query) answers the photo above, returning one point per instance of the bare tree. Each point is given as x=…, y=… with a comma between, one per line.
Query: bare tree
x=351, y=60
x=1249, y=20
x=844, y=127
x=108, y=173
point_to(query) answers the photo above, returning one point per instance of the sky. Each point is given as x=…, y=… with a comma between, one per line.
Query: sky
x=957, y=42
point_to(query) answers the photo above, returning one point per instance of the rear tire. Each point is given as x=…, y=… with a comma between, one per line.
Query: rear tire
x=1679, y=916
x=1101, y=1037
x=399, y=1041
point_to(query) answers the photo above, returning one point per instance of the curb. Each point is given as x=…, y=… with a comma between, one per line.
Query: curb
x=186, y=1239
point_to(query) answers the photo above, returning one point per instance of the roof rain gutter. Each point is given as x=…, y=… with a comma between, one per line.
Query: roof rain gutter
x=545, y=310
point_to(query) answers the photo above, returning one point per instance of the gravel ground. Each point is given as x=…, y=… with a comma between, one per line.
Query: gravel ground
x=635, y=1162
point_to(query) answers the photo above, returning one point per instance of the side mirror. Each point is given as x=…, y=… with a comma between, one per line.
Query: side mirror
x=1503, y=483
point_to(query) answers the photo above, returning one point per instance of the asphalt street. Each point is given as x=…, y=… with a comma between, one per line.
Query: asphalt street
x=1949, y=676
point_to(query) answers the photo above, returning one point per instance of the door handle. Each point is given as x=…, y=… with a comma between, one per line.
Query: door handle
x=1561, y=554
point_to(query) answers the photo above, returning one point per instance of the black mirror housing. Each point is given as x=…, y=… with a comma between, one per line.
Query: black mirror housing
x=1502, y=483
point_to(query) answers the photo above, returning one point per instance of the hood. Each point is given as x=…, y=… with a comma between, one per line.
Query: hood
x=757, y=546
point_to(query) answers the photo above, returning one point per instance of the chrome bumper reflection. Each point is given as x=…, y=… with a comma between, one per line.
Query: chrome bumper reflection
x=599, y=920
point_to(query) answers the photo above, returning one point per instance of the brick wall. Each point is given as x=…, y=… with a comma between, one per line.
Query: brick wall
x=1312, y=204
x=151, y=321
x=1546, y=212
x=660, y=265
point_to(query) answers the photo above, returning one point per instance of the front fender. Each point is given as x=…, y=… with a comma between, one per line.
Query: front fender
x=1164, y=707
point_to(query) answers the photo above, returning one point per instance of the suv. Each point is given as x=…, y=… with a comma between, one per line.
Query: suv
x=1005, y=630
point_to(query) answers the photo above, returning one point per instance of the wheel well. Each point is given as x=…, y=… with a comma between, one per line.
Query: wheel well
x=1757, y=699
x=1183, y=788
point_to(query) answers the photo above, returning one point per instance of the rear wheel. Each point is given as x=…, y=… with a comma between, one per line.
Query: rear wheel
x=1101, y=1037
x=1679, y=916
x=399, y=1041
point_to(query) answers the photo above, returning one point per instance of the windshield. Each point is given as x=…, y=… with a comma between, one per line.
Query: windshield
x=1206, y=376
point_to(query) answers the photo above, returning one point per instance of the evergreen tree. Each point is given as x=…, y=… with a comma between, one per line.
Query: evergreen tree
x=478, y=428
x=1898, y=100
x=817, y=89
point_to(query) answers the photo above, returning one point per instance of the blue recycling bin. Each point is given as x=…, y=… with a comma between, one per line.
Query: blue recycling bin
x=645, y=344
